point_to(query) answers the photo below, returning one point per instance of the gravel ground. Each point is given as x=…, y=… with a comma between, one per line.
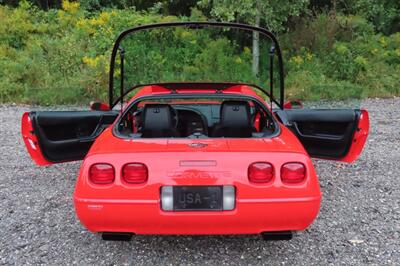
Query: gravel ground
x=358, y=223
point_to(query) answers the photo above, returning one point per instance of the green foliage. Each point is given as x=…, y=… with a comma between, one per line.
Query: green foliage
x=384, y=14
x=274, y=13
x=62, y=56
x=354, y=63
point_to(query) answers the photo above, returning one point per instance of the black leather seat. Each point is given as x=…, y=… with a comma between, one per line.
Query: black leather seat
x=235, y=120
x=158, y=121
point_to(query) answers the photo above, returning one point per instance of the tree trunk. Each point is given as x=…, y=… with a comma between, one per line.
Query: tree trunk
x=334, y=3
x=256, y=44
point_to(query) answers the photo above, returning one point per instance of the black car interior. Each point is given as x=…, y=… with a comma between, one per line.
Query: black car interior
x=235, y=120
x=159, y=121
x=68, y=135
x=324, y=133
x=230, y=119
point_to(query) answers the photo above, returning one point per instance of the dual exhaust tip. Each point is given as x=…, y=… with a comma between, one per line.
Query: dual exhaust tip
x=112, y=236
x=267, y=236
x=279, y=235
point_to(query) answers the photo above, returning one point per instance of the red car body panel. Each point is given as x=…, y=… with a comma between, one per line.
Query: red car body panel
x=121, y=207
x=31, y=141
x=290, y=201
x=359, y=138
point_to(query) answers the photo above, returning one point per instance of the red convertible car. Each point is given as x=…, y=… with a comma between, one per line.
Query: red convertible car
x=195, y=158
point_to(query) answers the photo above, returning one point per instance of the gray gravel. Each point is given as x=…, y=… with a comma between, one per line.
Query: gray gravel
x=358, y=223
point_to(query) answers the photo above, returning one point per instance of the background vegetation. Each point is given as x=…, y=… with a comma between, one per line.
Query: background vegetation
x=54, y=52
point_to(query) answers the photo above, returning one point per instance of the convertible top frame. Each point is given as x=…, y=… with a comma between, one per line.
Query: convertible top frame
x=195, y=25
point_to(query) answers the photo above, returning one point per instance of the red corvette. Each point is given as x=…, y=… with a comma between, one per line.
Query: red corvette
x=196, y=157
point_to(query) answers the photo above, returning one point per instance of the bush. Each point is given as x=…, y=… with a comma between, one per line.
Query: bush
x=62, y=56
x=350, y=61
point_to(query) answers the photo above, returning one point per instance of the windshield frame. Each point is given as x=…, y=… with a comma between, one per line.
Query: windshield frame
x=195, y=25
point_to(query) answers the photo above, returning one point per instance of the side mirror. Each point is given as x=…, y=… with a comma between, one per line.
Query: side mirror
x=99, y=106
x=294, y=104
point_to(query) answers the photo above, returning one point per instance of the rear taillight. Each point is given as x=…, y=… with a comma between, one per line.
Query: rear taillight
x=293, y=173
x=101, y=173
x=260, y=172
x=134, y=173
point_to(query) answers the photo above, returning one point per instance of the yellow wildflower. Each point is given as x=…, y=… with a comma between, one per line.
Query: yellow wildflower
x=92, y=62
x=238, y=60
x=382, y=41
x=397, y=52
x=102, y=19
x=81, y=23
x=298, y=60
x=105, y=17
x=70, y=7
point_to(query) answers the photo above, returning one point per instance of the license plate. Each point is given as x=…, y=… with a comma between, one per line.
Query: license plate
x=197, y=198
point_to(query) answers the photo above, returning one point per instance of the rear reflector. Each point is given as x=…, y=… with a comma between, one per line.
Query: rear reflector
x=293, y=173
x=101, y=173
x=134, y=173
x=260, y=172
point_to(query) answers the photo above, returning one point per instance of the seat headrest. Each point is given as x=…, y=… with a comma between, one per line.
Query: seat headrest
x=157, y=117
x=235, y=114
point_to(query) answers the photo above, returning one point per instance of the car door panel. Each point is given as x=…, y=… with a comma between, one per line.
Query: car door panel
x=60, y=136
x=330, y=134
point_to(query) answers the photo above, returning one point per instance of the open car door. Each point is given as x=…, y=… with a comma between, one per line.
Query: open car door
x=337, y=134
x=61, y=136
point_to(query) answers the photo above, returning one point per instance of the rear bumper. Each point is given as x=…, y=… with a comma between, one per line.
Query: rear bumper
x=251, y=216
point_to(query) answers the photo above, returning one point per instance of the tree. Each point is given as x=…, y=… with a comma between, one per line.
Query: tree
x=384, y=14
x=269, y=13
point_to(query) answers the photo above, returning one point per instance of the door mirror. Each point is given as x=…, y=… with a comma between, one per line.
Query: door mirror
x=99, y=106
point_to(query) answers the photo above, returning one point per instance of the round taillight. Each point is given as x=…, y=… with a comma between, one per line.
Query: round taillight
x=134, y=173
x=260, y=172
x=293, y=173
x=101, y=173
